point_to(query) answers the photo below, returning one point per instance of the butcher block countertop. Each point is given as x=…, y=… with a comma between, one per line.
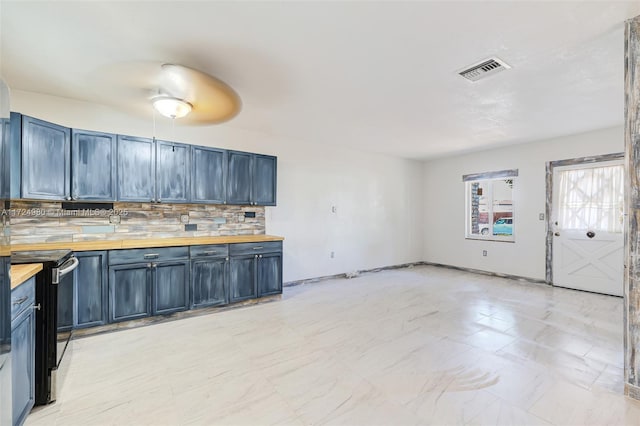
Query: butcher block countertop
x=21, y=273
x=144, y=243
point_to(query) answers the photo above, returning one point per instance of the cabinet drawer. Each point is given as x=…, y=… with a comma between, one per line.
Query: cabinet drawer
x=217, y=250
x=255, y=248
x=23, y=297
x=119, y=257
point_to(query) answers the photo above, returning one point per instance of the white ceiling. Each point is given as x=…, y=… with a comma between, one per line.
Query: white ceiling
x=377, y=76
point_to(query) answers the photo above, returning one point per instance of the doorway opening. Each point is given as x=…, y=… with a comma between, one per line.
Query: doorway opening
x=585, y=245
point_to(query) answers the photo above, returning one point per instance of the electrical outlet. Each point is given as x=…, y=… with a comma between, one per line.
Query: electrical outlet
x=114, y=219
x=334, y=209
x=541, y=216
x=184, y=218
x=484, y=253
x=191, y=227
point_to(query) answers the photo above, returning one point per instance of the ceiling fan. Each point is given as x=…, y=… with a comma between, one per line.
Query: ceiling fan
x=175, y=91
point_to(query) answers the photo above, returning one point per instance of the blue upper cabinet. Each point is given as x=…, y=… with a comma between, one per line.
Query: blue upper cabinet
x=5, y=159
x=264, y=180
x=51, y=162
x=251, y=179
x=208, y=175
x=239, y=178
x=172, y=172
x=46, y=160
x=136, y=169
x=93, y=166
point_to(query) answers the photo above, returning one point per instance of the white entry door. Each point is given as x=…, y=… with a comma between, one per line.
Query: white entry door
x=587, y=215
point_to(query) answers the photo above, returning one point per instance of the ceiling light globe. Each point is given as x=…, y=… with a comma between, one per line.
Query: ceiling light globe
x=172, y=107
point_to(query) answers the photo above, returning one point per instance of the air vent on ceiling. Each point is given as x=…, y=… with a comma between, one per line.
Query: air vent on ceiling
x=484, y=69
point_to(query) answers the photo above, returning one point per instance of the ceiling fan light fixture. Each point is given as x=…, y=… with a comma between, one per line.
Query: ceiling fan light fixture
x=172, y=107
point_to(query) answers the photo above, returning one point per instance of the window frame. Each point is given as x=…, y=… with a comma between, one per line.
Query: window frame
x=489, y=178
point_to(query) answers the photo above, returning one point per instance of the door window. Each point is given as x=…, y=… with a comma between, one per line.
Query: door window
x=591, y=198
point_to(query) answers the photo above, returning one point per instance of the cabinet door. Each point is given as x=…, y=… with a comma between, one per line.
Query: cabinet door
x=171, y=286
x=136, y=169
x=269, y=274
x=264, y=180
x=208, y=282
x=239, y=178
x=93, y=169
x=172, y=172
x=5, y=159
x=242, y=278
x=65, y=303
x=90, y=285
x=208, y=175
x=23, y=349
x=46, y=164
x=129, y=290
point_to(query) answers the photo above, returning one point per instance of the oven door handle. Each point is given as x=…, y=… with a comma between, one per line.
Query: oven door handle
x=68, y=266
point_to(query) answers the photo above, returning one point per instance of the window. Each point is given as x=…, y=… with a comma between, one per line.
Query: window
x=489, y=205
x=591, y=198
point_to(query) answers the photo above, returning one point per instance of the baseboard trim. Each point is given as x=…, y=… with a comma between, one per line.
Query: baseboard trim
x=489, y=273
x=351, y=274
x=411, y=265
x=632, y=391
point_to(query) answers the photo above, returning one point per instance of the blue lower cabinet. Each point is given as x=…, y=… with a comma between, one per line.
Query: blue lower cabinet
x=158, y=281
x=145, y=282
x=269, y=274
x=129, y=291
x=209, y=282
x=91, y=290
x=170, y=286
x=23, y=349
x=242, y=278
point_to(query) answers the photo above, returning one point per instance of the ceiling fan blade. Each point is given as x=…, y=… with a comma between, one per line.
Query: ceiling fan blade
x=213, y=101
x=133, y=85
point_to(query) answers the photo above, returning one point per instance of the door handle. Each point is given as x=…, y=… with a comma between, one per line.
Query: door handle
x=557, y=234
x=20, y=301
x=591, y=234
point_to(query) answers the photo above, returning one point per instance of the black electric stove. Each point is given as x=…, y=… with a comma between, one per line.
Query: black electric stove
x=53, y=283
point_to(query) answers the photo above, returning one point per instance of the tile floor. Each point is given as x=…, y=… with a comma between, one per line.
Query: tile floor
x=424, y=345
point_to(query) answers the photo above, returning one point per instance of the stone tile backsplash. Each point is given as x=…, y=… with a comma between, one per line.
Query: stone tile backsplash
x=41, y=221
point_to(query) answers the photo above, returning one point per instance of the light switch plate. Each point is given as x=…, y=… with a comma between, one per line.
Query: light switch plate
x=541, y=216
x=184, y=218
x=114, y=219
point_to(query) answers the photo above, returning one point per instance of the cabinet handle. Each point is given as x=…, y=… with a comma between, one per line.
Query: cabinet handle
x=260, y=256
x=209, y=253
x=224, y=202
x=74, y=197
x=149, y=265
x=158, y=200
x=67, y=198
x=255, y=256
x=37, y=307
x=153, y=200
x=258, y=248
x=154, y=265
x=227, y=259
x=20, y=301
x=151, y=256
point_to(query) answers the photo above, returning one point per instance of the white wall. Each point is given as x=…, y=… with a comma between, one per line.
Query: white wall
x=378, y=198
x=444, y=199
